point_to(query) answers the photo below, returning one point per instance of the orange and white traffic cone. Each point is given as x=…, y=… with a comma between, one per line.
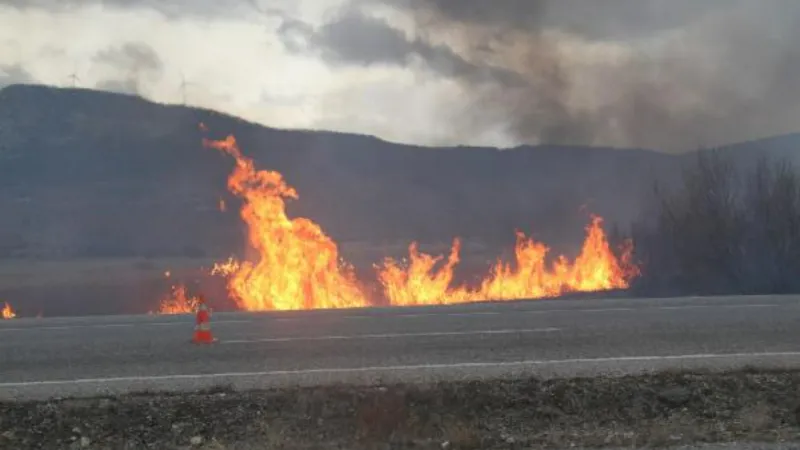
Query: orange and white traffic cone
x=202, y=328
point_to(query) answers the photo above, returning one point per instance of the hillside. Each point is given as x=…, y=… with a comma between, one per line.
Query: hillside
x=86, y=173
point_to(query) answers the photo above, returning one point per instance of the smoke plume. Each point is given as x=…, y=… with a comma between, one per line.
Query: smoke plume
x=665, y=74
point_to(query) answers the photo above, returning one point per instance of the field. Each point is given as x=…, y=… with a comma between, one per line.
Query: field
x=91, y=286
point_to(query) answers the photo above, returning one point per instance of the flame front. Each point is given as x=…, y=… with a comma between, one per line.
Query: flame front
x=298, y=265
x=597, y=268
x=7, y=312
x=178, y=302
x=420, y=283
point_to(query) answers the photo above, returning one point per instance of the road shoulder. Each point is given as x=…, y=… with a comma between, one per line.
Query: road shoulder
x=661, y=409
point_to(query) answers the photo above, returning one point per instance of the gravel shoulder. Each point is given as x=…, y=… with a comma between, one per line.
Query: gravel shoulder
x=675, y=409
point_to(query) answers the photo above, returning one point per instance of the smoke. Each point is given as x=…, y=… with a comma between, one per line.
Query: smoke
x=665, y=74
x=14, y=74
x=662, y=74
x=356, y=37
x=134, y=64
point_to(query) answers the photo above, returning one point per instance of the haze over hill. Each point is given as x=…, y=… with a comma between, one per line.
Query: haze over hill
x=87, y=173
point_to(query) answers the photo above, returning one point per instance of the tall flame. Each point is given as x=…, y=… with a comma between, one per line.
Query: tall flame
x=298, y=265
x=178, y=302
x=7, y=312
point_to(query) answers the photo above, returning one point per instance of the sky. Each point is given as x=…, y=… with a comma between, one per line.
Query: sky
x=670, y=75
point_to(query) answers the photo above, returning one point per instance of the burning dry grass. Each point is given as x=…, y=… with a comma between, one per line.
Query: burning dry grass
x=7, y=312
x=178, y=302
x=649, y=410
x=298, y=266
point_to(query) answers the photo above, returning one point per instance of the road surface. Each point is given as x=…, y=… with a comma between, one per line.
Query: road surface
x=41, y=358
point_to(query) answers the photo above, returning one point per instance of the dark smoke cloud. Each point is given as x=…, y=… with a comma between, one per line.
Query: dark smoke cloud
x=136, y=64
x=354, y=37
x=678, y=74
x=597, y=19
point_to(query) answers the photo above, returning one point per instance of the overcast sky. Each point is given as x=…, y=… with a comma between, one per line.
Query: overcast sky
x=665, y=74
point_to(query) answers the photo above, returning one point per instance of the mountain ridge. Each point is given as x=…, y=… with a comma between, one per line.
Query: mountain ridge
x=88, y=173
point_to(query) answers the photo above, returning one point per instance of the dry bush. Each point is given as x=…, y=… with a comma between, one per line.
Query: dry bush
x=723, y=230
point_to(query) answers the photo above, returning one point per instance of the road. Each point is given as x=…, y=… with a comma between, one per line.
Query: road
x=41, y=358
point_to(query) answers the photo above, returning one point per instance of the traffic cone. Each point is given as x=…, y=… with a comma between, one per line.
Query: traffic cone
x=202, y=328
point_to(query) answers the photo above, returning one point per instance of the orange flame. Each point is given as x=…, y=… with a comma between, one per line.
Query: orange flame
x=7, y=312
x=298, y=265
x=596, y=269
x=418, y=283
x=178, y=302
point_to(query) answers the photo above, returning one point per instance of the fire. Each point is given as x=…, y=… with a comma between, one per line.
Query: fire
x=298, y=265
x=597, y=268
x=178, y=302
x=418, y=283
x=7, y=312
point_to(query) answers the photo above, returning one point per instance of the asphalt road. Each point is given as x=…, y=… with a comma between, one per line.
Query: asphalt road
x=63, y=357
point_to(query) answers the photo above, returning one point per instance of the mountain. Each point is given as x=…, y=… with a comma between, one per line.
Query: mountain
x=88, y=173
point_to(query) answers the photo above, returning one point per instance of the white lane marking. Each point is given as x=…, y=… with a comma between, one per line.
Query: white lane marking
x=759, y=305
x=531, y=311
x=116, y=325
x=345, y=370
x=477, y=313
x=657, y=308
x=398, y=316
x=393, y=335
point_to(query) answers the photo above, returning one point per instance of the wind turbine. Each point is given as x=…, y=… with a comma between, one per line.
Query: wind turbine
x=74, y=78
x=184, y=85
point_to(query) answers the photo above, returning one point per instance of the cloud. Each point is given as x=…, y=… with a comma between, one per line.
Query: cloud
x=663, y=74
x=169, y=8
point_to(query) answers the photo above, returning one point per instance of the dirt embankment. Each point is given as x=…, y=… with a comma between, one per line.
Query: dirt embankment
x=650, y=410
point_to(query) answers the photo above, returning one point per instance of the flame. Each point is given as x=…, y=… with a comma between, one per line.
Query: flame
x=178, y=302
x=418, y=283
x=597, y=268
x=7, y=312
x=298, y=265
x=222, y=206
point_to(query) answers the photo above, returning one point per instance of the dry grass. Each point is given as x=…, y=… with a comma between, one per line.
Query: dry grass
x=23, y=273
